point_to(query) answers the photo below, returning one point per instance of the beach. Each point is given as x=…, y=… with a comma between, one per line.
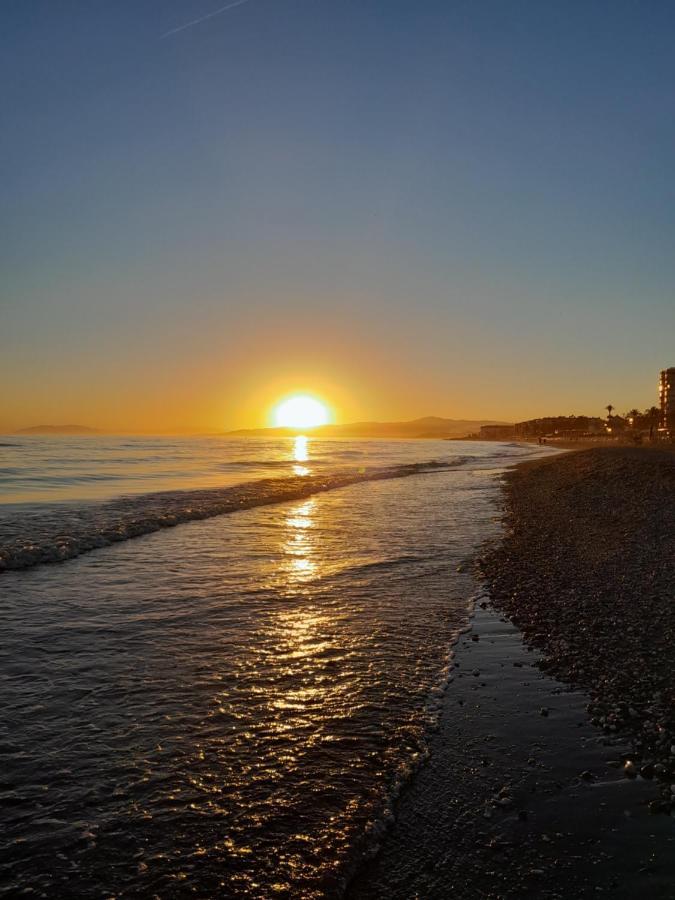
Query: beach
x=452, y=680
x=550, y=774
x=587, y=572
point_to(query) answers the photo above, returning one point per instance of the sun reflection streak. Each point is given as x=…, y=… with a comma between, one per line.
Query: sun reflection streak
x=300, y=453
x=299, y=543
x=300, y=445
x=299, y=681
x=306, y=651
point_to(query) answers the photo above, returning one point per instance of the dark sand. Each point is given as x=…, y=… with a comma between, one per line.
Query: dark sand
x=526, y=793
x=515, y=804
x=587, y=572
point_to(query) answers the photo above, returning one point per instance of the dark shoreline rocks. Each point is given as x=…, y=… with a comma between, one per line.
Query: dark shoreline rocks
x=586, y=570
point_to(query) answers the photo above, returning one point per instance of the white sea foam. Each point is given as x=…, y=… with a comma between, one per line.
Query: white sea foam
x=60, y=532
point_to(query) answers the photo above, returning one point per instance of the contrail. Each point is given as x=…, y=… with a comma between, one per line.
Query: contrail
x=217, y=12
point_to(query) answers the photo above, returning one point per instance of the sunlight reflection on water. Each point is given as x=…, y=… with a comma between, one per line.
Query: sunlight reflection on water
x=226, y=707
x=300, y=543
x=301, y=454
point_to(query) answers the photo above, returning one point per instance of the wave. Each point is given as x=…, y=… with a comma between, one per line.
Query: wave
x=61, y=531
x=382, y=565
x=257, y=464
x=82, y=478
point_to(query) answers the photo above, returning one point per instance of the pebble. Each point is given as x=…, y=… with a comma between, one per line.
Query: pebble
x=630, y=769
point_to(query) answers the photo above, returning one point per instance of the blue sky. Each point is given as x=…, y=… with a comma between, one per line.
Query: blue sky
x=438, y=207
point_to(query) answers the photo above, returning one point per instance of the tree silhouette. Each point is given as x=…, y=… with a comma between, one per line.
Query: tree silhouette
x=609, y=409
x=653, y=417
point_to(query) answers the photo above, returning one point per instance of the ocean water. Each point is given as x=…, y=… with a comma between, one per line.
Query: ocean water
x=230, y=706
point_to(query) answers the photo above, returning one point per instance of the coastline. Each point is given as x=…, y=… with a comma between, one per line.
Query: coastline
x=504, y=808
x=527, y=792
x=521, y=795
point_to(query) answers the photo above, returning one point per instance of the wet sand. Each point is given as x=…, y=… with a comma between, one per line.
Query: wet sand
x=527, y=792
x=514, y=803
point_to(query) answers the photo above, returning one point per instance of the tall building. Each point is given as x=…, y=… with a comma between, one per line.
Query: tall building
x=667, y=397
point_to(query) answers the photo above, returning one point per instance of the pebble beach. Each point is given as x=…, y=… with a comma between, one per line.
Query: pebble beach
x=587, y=572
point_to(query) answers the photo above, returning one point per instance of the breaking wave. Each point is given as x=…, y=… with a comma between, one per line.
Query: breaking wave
x=63, y=531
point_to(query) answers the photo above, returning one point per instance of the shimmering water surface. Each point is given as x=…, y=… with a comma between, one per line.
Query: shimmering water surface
x=42, y=469
x=228, y=707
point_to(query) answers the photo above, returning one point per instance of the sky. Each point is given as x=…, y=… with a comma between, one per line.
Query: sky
x=411, y=208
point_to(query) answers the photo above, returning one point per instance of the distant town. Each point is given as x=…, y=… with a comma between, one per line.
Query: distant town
x=654, y=424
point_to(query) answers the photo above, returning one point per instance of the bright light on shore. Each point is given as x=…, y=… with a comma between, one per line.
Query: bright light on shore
x=300, y=411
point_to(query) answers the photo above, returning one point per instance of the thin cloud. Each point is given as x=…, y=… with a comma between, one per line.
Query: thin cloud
x=216, y=12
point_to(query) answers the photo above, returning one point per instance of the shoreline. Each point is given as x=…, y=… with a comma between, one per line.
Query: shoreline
x=504, y=807
x=572, y=802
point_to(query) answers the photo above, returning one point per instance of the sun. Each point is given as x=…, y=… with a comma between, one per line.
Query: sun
x=300, y=411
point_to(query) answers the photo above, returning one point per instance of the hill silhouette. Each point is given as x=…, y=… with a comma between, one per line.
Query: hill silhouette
x=425, y=427
x=58, y=429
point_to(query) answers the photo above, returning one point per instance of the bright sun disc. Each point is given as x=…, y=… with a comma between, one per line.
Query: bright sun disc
x=300, y=412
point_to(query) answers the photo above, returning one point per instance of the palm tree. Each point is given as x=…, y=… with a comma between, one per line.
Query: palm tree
x=609, y=409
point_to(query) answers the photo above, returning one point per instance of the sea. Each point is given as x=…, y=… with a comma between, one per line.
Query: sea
x=222, y=659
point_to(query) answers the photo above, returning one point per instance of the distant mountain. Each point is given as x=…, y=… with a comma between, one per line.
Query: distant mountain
x=58, y=429
x=426, y=427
